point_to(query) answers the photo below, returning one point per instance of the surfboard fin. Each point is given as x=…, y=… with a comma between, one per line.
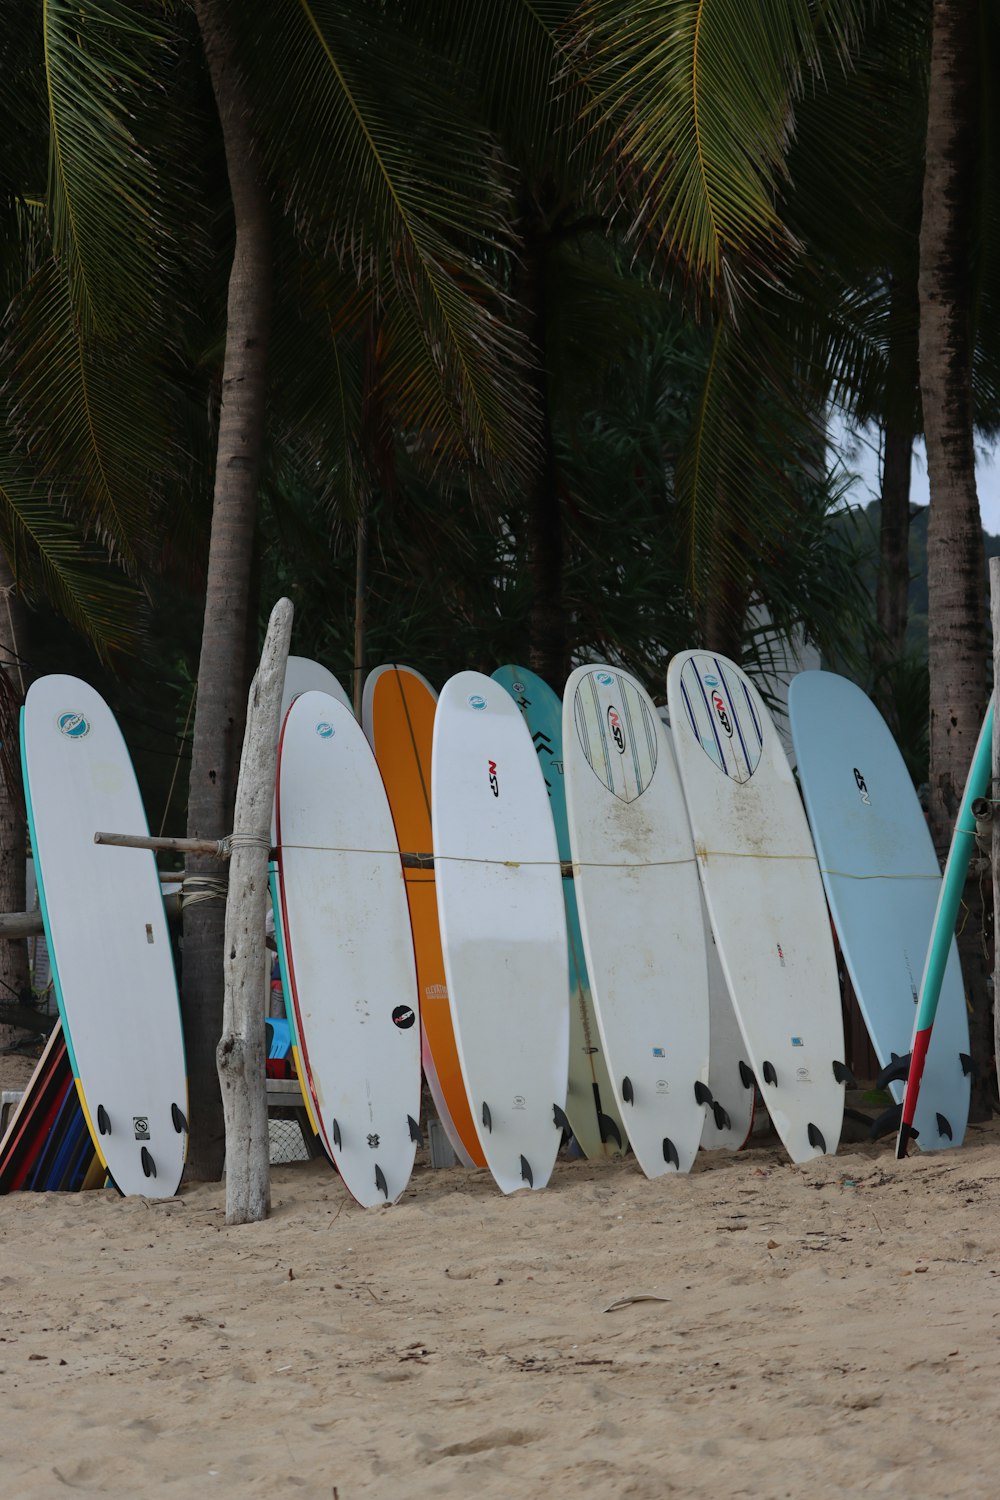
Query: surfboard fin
x=148, y=1164
x=336, y=1135
x=886, y=1122
x=487, y=1117
x=906, y=1134
x=381, y=1183
x=944, y=1127
x=722, y=1120
x=746, y=1075
x=816, y=1137
x=415, y=1134
x=843, y=1074
x=526, y=1175
x=897, y=1070
x=609, y=1130
x=628, y=1093
x=966, y=1062
x=179, y=1118
x=770, y=1076
x=670, y=1152
x=702, y=1093
x=103, y=1123
x=559, y=1119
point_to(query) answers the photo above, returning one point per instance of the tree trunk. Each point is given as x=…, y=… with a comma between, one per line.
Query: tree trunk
x=13, y=839
x=242, y=1053
x=222, y=669
x=957, y=641
x=547, y=642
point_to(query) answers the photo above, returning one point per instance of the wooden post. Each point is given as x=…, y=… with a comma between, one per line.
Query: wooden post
x=995, y=794
x=241, y=1051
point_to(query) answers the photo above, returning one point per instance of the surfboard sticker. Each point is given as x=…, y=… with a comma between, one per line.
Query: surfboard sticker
x=617, y=733
x=722, y=715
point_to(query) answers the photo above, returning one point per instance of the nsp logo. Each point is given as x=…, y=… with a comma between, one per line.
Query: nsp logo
x=862, y=787
x=719, y=704
x=494, y=783
x=617, y=732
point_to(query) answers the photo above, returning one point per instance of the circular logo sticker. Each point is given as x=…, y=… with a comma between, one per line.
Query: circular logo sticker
x=325, y=731
x=477, y=701
x=605, y=679
x=404, y=1016
x=517, y=687
x=709, y=680
x=73, y=726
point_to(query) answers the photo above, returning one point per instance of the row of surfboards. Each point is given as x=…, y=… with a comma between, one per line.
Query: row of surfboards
x=621, y=929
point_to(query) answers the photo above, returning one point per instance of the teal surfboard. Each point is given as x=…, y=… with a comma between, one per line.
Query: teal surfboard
x=882, y=883
x=590, y=1104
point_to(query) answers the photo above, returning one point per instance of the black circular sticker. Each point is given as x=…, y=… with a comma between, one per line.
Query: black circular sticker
x=404, y=1016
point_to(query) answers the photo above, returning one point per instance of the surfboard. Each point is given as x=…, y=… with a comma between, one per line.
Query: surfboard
x=882, y=882
x=398, y=717
x=590, y=1103
x=503, y=927
x=107, y=936
x=31, y=1120
x=764, y=895
x=640, y=913
x=347, y=945
x=952, y=884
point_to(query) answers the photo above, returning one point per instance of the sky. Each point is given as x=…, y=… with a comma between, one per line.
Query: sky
x=861, y=457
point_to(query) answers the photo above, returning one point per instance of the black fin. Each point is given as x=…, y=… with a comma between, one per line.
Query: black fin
x=487, y=1117
x=381, y=1183
x=336, y=1135
x=944, y=1128
x=628, y=1093
x=609, y=1130
x=746, y=1075
x=816, y=1137
x=414, y=1130
x=670, y=1152
x=906, y=1133
x=702, y=1093
x=103, y=1123
x=770, y=1076
x=559, y=1118
x=148, y=1164
x=722, y=1120
x=897, y=1070
x=843, y=1074
x=886, y=1122
x=179, y=1118
x=966, y=1061
x=526, y=1172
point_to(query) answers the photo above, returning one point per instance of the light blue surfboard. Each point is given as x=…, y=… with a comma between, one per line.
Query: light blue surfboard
x=590, y=1104
x=882, y=882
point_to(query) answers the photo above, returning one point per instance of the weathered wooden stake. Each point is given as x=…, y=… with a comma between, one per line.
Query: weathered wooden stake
x=241, y=1050
x=995, y=794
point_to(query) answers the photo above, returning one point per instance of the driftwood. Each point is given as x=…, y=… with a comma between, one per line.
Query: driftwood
x=242, y=1051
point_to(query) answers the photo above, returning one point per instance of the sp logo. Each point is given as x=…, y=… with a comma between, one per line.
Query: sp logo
x=718, y=703
x=494, y=783
x=617, y=732
x=862, y=787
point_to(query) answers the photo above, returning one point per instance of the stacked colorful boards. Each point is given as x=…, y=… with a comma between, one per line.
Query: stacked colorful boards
x=46, y=1146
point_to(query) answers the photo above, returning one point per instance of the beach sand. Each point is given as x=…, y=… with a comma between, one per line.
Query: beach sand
x=827, y=1330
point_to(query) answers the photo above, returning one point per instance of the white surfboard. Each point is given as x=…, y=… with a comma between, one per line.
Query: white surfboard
x=503, y=927
x=107, y=935
x=347, y=946
x=643, y=934
x=729, y=1120
x=882, y=880
x=764, y=895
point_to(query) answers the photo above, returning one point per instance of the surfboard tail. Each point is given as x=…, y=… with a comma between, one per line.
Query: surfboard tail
x=921, y=1041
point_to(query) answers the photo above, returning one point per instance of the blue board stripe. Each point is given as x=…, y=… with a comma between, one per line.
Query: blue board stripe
x=633, y=746
x=711, y=722
x=687, y=705
x=753, y=714
x=736, y=717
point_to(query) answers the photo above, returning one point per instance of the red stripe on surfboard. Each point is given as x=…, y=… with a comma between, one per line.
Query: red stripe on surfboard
x=921, y=1042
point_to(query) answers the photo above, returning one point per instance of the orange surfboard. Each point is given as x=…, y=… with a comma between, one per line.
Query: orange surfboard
x=398, y=718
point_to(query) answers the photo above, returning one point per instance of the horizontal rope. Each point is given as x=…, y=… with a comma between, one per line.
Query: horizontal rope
x=196, y=888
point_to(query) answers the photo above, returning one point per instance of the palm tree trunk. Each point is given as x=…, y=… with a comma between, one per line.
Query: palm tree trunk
x=892, y=592
x=13, y=954
x=957, y=640
x=223, y=671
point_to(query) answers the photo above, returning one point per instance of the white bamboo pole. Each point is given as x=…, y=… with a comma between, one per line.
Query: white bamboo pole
x=995, y=793
x=241, y=1051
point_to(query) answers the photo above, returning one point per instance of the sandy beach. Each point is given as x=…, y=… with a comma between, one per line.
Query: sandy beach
x=826, y=1330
